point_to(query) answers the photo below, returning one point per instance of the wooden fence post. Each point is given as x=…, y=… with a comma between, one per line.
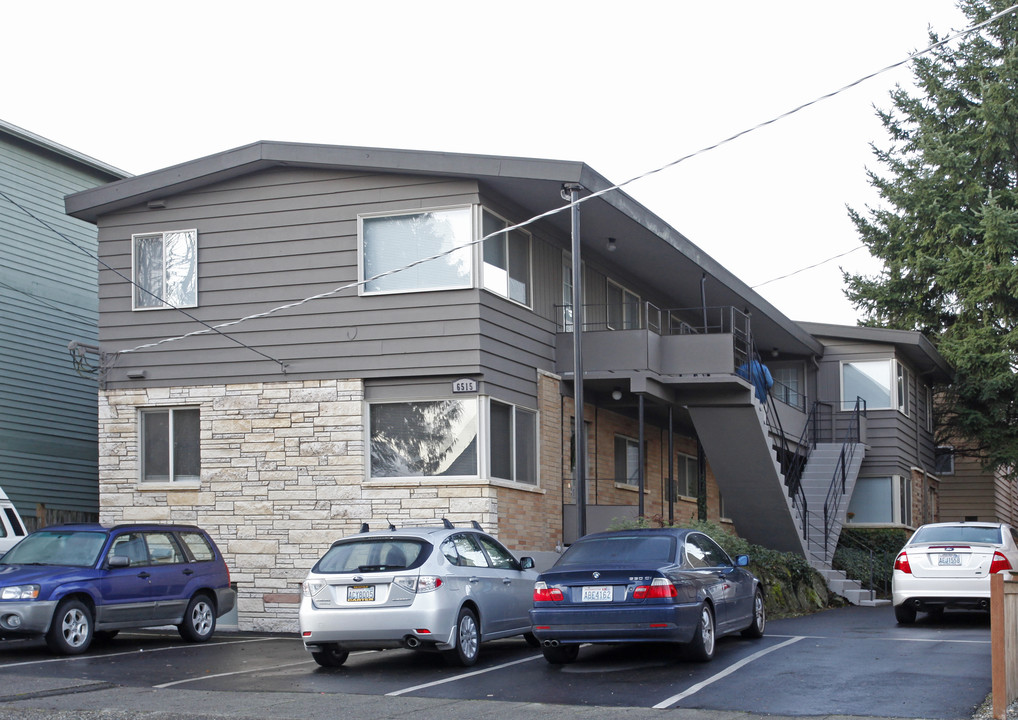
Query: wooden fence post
x=1004, y=642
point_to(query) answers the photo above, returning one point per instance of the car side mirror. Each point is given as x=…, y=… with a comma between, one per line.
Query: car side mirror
x=742, y=561
x=119, y=561
x=527, y=563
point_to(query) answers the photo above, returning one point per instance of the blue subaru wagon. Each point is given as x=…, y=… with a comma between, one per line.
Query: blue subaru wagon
x=72, y=584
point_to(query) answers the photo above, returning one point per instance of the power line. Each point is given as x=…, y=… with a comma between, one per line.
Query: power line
x=217, y=328
x=119, y=274
x=808, y=267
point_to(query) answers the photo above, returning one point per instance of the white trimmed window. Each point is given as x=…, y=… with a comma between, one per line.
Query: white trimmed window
x=415, y=251
x=165, y=268
x=881, y=500
x=170, y=445
x=627, y=461
x=623, y=308
x=686, y=475
x=436, y=438
x=506, y=259
x=512, y=443
x=883, y=384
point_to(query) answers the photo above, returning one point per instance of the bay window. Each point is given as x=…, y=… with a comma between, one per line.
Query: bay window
x=417, y=251
x=506, y=259
x=423, y=439
x=512, y=443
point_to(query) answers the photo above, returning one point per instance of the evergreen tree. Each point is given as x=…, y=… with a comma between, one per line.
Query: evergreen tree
x=947, y=229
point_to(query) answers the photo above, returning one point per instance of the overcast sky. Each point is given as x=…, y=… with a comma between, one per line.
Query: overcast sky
x=625, y=87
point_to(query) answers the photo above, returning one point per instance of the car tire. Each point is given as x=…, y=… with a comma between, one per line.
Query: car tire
x=468, y=640
x=531, y=640
x=330, y=656
x=759, y=622
x=701, y=649
x=71, y=631
x=561, y=654
x=904, y=614
x=199, y=619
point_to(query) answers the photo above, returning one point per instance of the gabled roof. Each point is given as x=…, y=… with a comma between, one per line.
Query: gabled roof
x=647, y=247
x=912, y=345
x=41, y=142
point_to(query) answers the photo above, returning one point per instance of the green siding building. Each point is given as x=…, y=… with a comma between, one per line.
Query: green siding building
x=48, y=299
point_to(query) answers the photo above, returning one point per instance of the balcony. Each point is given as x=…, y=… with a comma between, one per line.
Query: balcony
x=640, y=341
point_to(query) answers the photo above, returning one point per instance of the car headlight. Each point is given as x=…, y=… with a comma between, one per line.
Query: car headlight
x=310, y=588
x=20, y=592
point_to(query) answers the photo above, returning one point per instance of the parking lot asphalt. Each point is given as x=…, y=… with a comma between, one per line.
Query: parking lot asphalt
x=854, y=661
x=82, y=700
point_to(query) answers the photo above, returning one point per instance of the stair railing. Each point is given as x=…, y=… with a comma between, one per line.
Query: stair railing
x=791, y=461
x=836, y=490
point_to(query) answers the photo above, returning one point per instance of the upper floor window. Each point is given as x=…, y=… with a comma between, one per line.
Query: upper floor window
x=944, y=460
x=417, y=251
x=872, y=380
x=170, y=445
x=435, y=438
x=506, y=259
x=165, y=268
x=623, y=308
x=512, y=443
x=786, y=386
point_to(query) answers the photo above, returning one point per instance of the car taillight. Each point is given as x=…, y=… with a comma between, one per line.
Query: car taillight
x=1000, y=563
x=658, y=588
x=420, y=584
x=901, y=563
x=543, y=593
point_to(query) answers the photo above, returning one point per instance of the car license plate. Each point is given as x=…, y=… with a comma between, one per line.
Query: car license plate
x=360, y=593
x=949, y=559
x=596, y=593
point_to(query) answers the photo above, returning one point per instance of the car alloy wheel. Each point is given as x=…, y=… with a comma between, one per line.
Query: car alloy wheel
x=702, y=647
x=70, y=632
x=199, y=620
x=759, y=622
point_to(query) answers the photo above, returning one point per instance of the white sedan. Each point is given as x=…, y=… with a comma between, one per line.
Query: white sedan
x=948, y=565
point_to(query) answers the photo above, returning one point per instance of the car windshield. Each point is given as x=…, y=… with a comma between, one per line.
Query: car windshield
x=78, y=548
x=624, y=549
x=956, y=534
x=372, y=555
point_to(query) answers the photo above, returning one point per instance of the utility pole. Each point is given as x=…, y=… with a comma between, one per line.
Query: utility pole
x=571, y=193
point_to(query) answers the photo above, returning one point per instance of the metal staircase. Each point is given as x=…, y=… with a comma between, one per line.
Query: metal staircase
x=790, y=496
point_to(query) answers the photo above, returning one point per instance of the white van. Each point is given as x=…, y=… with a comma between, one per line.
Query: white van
x=11, y=527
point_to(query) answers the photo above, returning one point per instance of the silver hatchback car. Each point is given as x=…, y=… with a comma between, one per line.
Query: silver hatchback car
x=442, y=589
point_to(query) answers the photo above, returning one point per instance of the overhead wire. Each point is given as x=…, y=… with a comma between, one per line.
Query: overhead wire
x=349, y=286
x=119, y=274
x=808, y=267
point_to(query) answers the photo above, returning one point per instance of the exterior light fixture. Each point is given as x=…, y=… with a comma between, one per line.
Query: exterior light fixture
x=611, y=244
x=616, y=394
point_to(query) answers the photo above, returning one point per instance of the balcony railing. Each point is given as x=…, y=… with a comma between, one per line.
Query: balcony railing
x=683, y=341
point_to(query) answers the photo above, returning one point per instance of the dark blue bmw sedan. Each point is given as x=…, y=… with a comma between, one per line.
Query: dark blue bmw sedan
x=647, y=585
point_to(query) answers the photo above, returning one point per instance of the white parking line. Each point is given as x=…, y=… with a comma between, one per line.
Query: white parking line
x=227, y=674
x=461, y=677
x=73, y=658
x=724, y=673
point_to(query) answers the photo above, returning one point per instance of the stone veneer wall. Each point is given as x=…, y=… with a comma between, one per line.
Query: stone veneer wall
x=282, y=477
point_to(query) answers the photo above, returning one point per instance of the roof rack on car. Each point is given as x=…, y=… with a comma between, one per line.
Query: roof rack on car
x=446, y=523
